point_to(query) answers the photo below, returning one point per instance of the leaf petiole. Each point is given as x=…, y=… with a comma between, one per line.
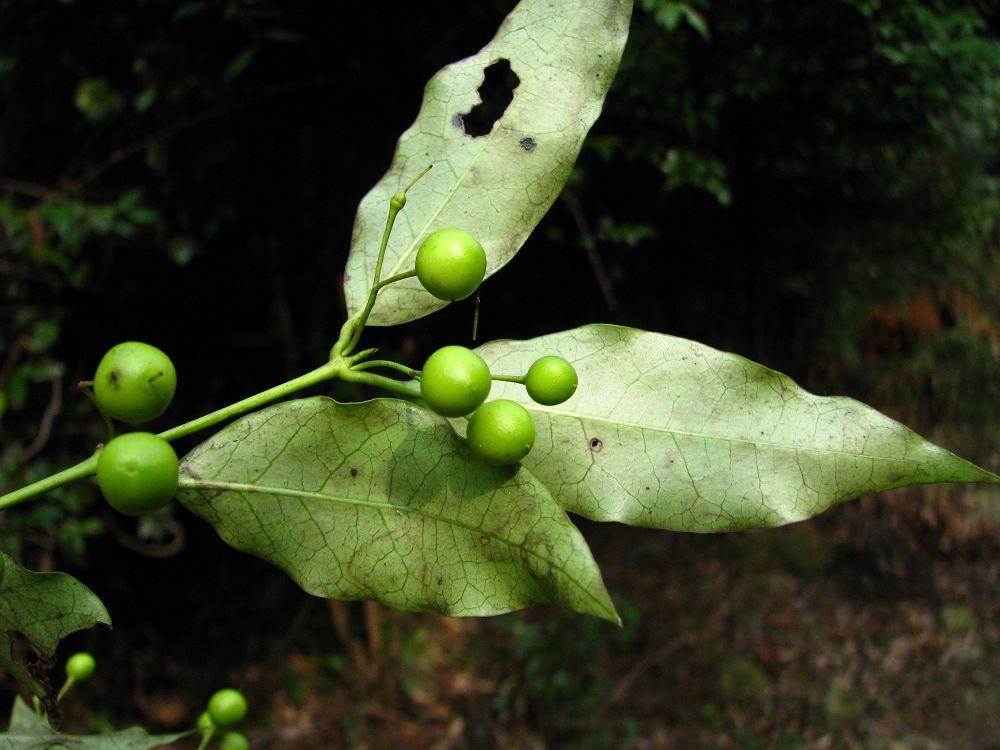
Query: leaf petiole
x=332, y=369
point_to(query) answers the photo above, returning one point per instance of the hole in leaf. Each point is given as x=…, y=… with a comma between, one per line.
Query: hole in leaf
x=596, y=445
x=495, y=94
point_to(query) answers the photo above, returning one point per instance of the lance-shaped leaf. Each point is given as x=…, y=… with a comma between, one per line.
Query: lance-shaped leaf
x=670, y=433
x=380, y=500
x=499, y=185
x=28, y=731
x=44, y=608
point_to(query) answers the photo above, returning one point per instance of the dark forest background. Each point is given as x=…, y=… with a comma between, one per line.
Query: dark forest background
x=815, y=187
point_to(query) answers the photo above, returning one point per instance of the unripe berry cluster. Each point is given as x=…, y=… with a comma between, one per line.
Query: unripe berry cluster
x=137, y=471
x=226, y=708
x=455, y=382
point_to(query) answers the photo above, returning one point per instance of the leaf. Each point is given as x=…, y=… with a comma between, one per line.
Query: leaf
x=498, y=186
x=380, y=500
x=28, y=731
x=44, y=608
x=670, y=433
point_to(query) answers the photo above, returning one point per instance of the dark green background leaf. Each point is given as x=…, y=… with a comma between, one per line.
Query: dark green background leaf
x=44, y=608
x=28, y=731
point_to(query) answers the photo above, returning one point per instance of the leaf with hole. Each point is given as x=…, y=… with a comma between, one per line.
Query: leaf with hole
x=670, y=433
x=562, y=56
x=380, y=500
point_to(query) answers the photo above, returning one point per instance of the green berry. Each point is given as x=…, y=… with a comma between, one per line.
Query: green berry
x=80, y=666
x=550, y=380
x=234, y=741
x=501, y=432
x=455, y=381
x=137, y=472
x=205, y=723
x=227, y=707
x=451, y=264
x=134, y=382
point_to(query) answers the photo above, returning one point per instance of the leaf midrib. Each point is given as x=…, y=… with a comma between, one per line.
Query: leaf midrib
x=769, y=444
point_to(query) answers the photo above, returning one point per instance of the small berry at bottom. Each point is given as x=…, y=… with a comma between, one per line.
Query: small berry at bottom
x=80, y=666
x=205, y=723
x=227, y=707
x=234, y=741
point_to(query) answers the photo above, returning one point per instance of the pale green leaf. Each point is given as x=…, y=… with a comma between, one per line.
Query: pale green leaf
x=498, y=186
x=670, y=433
x=28, y=731
x=380, y=500
x=44, y=608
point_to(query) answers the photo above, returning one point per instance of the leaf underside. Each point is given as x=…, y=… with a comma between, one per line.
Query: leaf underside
x=43, y=608
x=669, y=433
x=380, y=500
x=498, y=186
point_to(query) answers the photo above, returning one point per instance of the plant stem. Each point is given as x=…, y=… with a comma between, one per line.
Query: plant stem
x=509, y=378
x=389, y=364
x=376, y=287
x=70, y=681
x=406, y=389
x=83, y=469
x=396, y=204
x=332, y=369
x=206, y=738
x=335, y=368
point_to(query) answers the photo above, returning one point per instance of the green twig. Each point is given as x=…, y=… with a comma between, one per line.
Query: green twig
x=508, y=378
x=330, y=370
x=83, y=469
x=363, y=318
x=388, y=363
x=406, y=389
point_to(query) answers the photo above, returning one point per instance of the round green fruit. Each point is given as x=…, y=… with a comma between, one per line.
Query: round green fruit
x=455, y=381
x=451, y=264
x=205, y=723
x=134, y=382
x=550, y=380
x=234, y=741
x=501, y=432
x=80, y=666
x=227, y=707
x=137, y=473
